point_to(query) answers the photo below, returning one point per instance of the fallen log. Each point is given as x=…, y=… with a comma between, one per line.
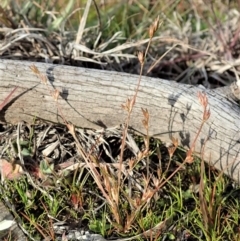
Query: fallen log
x=93, y=98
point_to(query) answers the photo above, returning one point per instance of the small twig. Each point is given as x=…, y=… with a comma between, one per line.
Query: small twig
x=5, y=101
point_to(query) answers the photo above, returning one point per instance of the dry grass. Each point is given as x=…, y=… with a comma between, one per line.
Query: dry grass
x=188, y=37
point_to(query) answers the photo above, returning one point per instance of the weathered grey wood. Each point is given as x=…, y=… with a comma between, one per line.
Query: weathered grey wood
x=94, y=97
x=12, y=233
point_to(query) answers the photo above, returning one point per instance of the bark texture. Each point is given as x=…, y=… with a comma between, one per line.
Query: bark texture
x=93, y=98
